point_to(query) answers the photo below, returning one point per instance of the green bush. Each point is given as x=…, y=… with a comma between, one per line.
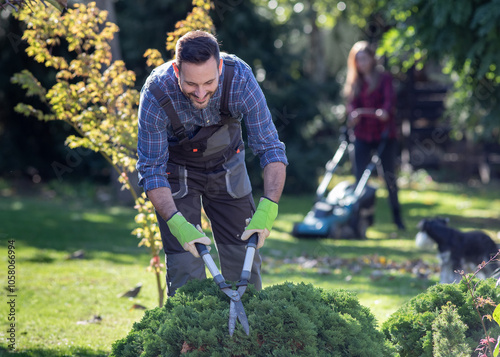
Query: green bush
x=287, y=319
x=449, y=334
x=410, y=328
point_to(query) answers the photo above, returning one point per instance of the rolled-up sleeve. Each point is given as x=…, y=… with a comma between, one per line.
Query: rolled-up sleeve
x=263, y=137
x=152, y=145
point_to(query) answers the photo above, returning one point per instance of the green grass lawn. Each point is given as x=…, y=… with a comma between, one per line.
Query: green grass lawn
x=57, y=298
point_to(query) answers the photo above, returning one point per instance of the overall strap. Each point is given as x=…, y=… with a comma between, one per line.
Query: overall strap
x=167, y=106
x=226, y=89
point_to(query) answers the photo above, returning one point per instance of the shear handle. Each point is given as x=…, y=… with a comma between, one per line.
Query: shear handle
x=247, y=265
x=209, y=262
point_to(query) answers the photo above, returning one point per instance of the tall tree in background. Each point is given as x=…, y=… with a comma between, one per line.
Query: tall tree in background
x=462, y=36
x=300, y=86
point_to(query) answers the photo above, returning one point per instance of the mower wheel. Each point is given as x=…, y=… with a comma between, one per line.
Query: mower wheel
x=334, y=231
x=362, y=227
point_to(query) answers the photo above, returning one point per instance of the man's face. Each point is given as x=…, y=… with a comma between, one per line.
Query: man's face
x=199, y=82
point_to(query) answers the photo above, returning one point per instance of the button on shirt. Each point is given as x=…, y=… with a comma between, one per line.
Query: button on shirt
x=246, y=102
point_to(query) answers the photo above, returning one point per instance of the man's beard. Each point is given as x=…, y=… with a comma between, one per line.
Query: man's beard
x=196, y=103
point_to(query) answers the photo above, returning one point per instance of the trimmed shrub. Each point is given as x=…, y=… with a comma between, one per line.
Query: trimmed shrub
x=410, y=328
x=287, y=319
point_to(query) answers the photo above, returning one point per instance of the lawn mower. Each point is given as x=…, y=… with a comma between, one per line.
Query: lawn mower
x=348, y=209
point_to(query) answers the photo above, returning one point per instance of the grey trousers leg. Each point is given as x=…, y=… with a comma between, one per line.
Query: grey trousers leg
x=182, y=267
x=232, y=258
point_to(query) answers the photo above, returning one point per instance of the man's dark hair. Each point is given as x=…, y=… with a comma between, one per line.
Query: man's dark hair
x=196, y=47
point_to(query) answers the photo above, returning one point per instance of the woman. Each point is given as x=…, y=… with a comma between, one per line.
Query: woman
x=370, y=108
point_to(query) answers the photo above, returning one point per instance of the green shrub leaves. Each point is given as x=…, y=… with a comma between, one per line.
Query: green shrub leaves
x=410, y=328
x=287, y=319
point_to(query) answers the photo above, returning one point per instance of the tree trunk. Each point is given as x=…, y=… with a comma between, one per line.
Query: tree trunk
x=316, y=67
x=122, y=196
x=109, y=6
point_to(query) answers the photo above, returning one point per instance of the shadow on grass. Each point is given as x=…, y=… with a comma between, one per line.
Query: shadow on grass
x=400, y=285
x=106, y=232
x=38, y=352
x=330, y=247
x=469, y=223
x=67, y=228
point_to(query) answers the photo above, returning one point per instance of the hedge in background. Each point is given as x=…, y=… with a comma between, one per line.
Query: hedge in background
x=286, y=319
x=410, y=328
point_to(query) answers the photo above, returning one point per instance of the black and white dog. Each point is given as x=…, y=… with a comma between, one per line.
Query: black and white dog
x=457, y=250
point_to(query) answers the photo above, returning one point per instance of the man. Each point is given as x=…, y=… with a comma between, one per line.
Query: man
x=191, y=154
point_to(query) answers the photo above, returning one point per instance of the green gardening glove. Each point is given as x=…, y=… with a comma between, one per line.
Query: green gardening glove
x=262, y=221
x=187, y=234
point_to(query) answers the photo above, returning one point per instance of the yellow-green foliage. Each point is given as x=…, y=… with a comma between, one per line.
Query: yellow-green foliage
x=92, y=94
x=18, y=4
x=198, y=19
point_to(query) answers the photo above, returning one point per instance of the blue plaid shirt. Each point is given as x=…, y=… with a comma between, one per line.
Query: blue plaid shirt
x=246, y=101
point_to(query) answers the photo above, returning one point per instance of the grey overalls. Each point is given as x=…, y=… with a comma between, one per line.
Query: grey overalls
x=209, y=169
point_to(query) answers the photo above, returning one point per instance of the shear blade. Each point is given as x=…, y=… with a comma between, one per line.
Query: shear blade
x=228, y=292
x=241, y=290
x=232, y=318
x=240, y=312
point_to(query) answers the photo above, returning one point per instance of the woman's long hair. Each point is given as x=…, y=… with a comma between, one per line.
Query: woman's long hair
x=354, y=80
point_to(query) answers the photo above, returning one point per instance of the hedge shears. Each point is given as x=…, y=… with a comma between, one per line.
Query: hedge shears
x=236, y=310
